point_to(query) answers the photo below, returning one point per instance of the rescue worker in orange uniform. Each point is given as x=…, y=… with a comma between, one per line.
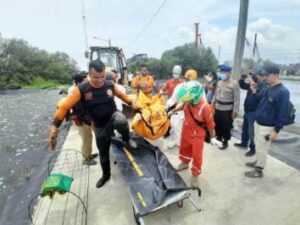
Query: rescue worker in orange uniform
x=97, y=95
x=144, y=82
x=172, y=83
x=197, y=113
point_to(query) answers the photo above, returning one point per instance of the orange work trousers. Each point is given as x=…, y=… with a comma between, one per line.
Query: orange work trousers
x=191, y=148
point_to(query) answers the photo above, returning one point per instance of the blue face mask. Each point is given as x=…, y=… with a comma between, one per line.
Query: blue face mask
x=222, y=76
x=176, y=76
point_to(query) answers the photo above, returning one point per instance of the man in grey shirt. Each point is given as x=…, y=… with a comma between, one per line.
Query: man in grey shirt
x=226, y=102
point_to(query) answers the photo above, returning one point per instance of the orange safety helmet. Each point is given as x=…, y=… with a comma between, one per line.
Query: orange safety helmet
x=191, y=75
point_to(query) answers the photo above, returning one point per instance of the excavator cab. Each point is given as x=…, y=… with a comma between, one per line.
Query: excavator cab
x=113, y=58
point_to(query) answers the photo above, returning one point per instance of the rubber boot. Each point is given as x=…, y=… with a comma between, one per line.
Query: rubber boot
x=250, y=153
x=225, y=145
x=103, y=180
x=105, y=165
x=182, y=166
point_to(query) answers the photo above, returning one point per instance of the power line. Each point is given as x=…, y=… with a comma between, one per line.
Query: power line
x=148, y=24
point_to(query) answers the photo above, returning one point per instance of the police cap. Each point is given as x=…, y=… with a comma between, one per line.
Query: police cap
x=224, y=68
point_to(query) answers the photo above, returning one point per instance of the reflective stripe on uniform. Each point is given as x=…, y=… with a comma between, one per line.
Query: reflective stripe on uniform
x=195, y=167
x=202, y=107
x=185, y=157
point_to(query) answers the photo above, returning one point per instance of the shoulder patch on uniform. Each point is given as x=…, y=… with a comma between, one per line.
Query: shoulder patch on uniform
x=109, y=92
x=88, y=96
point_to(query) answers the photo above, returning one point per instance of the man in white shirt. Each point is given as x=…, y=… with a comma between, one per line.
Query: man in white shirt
x=177, y=119
x=130, y=76
x=113, y=76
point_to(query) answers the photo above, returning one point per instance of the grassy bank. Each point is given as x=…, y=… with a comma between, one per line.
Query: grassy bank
x=40, y=83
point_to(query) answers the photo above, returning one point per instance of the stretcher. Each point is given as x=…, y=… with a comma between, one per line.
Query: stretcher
x=153, y=184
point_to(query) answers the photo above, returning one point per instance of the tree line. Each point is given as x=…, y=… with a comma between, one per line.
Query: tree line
x=22, y=64
x=188, y=56
x=201, y=59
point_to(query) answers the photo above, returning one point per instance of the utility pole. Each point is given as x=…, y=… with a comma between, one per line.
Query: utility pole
x=197, y=34
x=1, y=43
x=86, y=53
x=240, y=38
x=219, y=54
x=254, y=46
x=200, y=39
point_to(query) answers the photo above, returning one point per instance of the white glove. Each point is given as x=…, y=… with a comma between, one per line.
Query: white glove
x=138, y=116
x=170, y=144
x=214, y=141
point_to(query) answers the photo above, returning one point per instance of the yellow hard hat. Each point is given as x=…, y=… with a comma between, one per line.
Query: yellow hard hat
x=191, y=74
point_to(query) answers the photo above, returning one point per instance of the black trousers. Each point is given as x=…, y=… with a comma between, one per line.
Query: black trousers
x=103, y=138
x=224, y=122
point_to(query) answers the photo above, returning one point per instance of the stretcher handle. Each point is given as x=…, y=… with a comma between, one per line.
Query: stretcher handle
x=187, y=188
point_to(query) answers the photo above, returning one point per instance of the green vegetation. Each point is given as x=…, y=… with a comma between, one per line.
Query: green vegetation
x=288, y=72
x=188, y=56
x=22, y=65
x=40, y=83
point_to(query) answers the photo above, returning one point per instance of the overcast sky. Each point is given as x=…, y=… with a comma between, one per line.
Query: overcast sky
x=56, y=25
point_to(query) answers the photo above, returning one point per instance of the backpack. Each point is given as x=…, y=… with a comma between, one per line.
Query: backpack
x=291, y=114
x=291, y=111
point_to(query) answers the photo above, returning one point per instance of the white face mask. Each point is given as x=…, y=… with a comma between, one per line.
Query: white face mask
x=176, y=76
x=208, y=78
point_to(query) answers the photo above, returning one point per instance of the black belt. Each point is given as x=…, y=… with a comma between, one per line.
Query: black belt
x=224, y=103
